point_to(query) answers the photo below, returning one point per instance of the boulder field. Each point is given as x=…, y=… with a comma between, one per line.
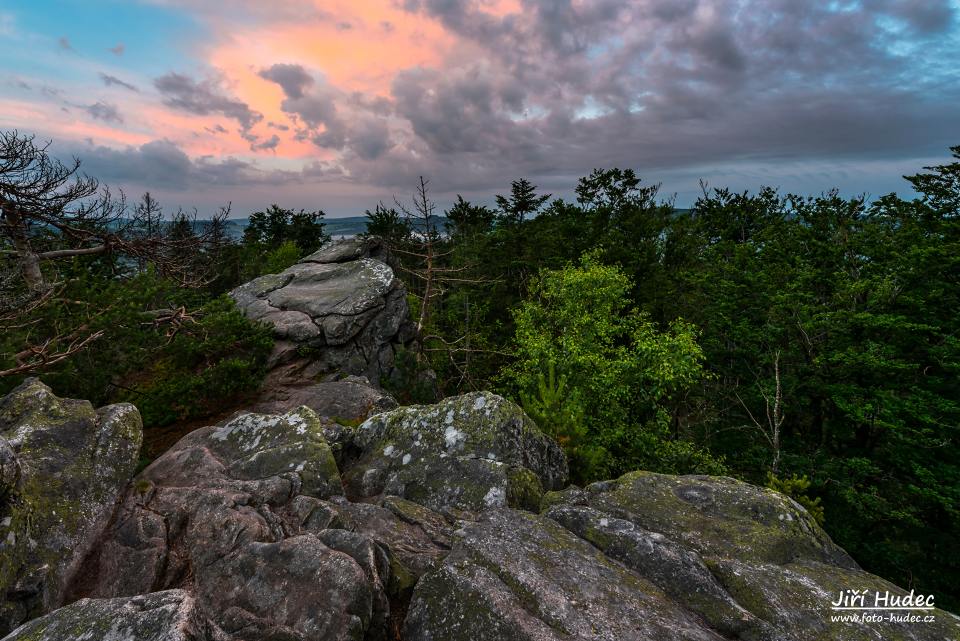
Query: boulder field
x=423, y=523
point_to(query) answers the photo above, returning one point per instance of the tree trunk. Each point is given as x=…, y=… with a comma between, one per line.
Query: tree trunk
x=29, y=260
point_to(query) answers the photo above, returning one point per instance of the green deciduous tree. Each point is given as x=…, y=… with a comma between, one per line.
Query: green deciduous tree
x=619, y=371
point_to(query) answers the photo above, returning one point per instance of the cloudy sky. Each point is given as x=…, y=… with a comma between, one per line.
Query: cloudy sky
x=336, y=104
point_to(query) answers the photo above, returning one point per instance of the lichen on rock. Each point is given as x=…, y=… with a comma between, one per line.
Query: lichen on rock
x=64, y=466
x=469, y=452
x=160, y=616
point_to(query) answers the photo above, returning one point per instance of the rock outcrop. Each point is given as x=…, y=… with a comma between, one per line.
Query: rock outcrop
x=426, y=523
x=745, y=558
x=251, y=518
x=63, y=466
x=339, y=310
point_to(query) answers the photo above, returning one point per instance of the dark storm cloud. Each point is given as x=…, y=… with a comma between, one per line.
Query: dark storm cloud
x=159, y=163
x=269, y=144
x=358, y=129
x=293, y=79
x=162, y=164
x=563, y=86
x=315, y=113
x=370, y=138
x=467, y=110
x=660, y=84
x=113, y=81
x=203, y=98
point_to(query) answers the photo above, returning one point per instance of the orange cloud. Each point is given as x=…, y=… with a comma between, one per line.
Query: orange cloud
x=357, y=47
x=360, y=50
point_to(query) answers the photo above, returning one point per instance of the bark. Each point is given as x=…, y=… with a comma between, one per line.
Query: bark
x=29, y=259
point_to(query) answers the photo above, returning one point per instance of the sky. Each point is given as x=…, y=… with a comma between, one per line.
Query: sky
x=338, y=104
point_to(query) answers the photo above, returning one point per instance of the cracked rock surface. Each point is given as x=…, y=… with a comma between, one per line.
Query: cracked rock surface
x=339, y=310
x=423, y=523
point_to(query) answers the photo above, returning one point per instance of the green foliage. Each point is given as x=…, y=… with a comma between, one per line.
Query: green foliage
x=412, y=381
x=277, y=260
x=276, y=226
x=523, y=201
x=218, y=360
x=618, y=372
x=273, y=240
x=858, y=299
x=389, y=224
x=174, y=370
x=466, y=221
x=940, y=186
x=797, y=488
x=562, y=416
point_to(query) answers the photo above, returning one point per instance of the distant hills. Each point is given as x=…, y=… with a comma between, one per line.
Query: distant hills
x=345, y=227
x=337, y=227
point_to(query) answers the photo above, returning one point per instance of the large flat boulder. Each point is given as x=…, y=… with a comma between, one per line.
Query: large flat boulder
x=521, y=577
x=63, y=466
x=339, y=310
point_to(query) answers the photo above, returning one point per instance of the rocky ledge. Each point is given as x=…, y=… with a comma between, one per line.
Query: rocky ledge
x=426, y=523
x=339, y=310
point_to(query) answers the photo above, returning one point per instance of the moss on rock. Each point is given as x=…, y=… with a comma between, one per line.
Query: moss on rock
x=73, y=462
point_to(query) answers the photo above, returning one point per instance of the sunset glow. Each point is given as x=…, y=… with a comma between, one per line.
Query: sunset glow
x=319, y=98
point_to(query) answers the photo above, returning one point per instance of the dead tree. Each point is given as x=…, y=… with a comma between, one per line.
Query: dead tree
x=425, y=258
x=773, y=418
x=50, y=211
x=424, y=250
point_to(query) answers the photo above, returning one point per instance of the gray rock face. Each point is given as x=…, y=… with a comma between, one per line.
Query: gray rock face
x=215, y=515
x=518, y=576
x=338, y=310
x=469, y=452
x=62, y=467
x=751, y=562
x=246, y=531
x=249, y=517
x=161, y=616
